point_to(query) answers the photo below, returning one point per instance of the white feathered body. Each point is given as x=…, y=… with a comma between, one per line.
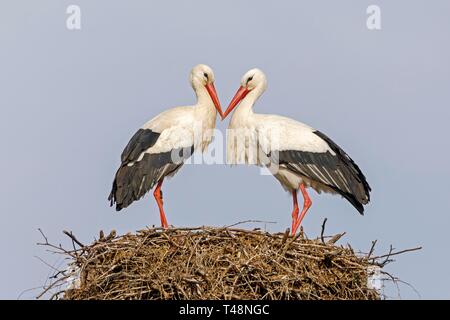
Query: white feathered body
x=183, y=127
x=266, y=133
x=296, y=154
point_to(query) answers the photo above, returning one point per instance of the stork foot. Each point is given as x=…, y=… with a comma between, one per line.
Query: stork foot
x=306, y=205
x=159, y=200
x=294, y=211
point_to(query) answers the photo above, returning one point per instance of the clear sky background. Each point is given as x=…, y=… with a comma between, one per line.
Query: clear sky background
x=70, y=101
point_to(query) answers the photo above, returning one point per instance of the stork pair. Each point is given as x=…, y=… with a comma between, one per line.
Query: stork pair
x=305, y=157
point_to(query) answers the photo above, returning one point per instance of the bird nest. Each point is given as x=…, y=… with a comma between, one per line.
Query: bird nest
x=214, y=263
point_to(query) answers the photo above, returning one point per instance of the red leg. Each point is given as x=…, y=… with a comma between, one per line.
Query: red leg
x=295, y=210
x=306, y=205
x=159, y=200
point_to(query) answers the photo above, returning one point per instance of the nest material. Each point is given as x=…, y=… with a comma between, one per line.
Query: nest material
x=218, y=263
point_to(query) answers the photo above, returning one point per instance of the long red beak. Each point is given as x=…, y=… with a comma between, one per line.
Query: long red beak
x=213, y=94
x=240, y=94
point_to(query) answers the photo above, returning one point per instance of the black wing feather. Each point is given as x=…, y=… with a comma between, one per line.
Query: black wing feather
x=349, y=163
x=141, y=141
x=135, y=178
x=338, y=172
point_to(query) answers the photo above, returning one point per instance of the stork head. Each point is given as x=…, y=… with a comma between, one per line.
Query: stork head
x=201, y=77
x=253, y=81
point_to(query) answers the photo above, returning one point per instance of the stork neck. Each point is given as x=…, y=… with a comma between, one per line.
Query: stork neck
x=203, y=97
x=204, y=107
x=245, y=107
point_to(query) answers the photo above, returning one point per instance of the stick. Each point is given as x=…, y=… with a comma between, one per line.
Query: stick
x=248, y=221
x=335, y=238
x=390, y=254
x=371, y=249
x=323, y=230
x=43, y=235
x=74, y=239
x=285, y=236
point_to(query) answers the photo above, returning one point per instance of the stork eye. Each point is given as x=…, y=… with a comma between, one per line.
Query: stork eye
x=206, y=75
x=249, y=79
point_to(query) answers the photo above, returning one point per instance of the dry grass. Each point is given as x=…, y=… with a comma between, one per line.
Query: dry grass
x=215, y=263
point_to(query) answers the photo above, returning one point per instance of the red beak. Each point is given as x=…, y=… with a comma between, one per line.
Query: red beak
x=213, y=94
x=240, y=94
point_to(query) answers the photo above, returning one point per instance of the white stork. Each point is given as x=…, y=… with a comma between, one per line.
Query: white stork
x=296, y=154
x=158, y=149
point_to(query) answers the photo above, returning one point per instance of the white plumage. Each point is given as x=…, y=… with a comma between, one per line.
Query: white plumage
x=160, y=146
x=296, y=154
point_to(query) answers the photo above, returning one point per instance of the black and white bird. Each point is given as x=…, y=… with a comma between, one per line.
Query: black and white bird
x=160, y=147
x=299, y=156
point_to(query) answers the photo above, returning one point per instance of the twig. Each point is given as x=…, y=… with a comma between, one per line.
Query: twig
x=335, y=238
x=28, y=290
x=43, y=235
x=55, y=295
x=285, y=236
x=51, y=286
x=49, y=265
x=323, y=230
x=59, y=248
x=387, y=256
x=248, y=221
x=407, y=284
x=390, y=254
x=74, y=239
x=371, y=249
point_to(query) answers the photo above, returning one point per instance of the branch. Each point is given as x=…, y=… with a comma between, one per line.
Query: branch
x=285, y=236
x=390, y=254
x=50, y=266
x=52, y=285
x=43, y=235
x=335, y=238
x=74, y=239
x=248, y=221
x=371, y=249
x=59, y=248
x=323, y=230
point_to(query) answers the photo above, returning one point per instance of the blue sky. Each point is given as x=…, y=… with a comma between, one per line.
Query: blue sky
x=70, y=100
